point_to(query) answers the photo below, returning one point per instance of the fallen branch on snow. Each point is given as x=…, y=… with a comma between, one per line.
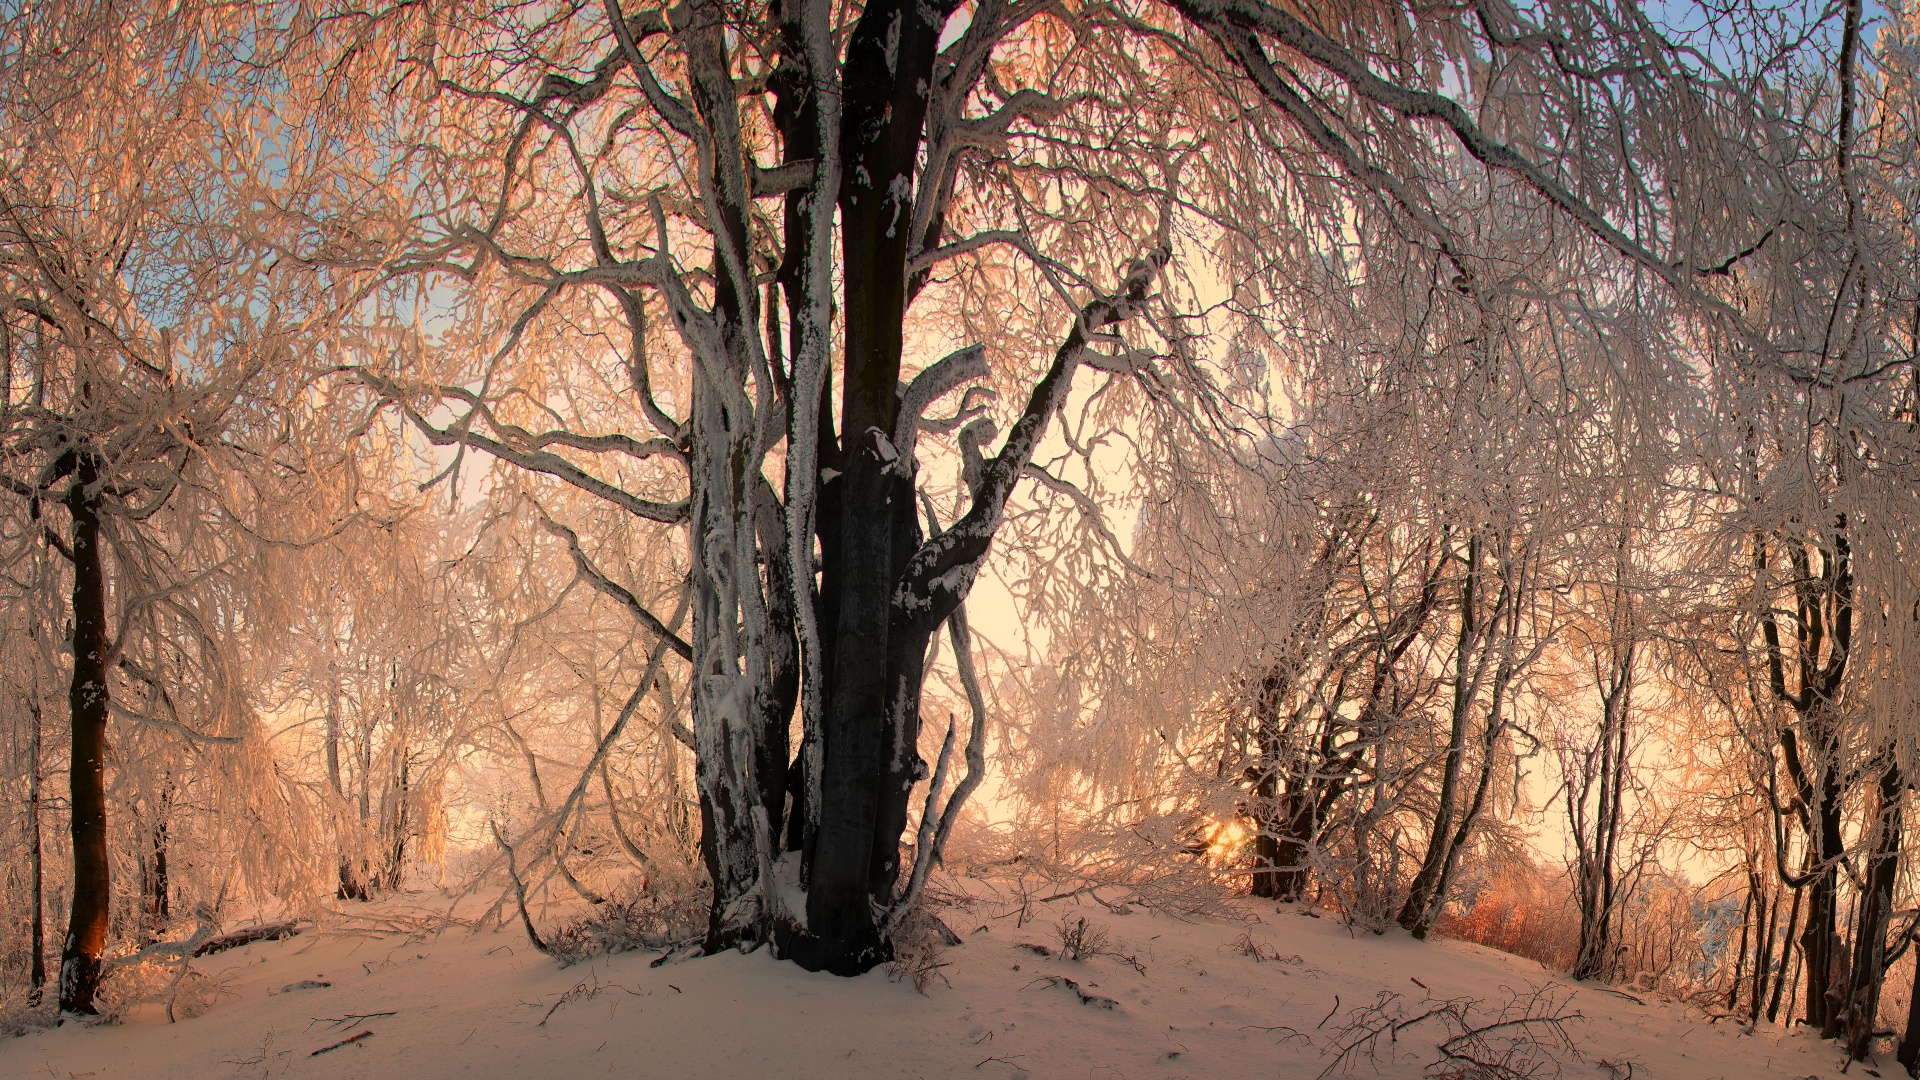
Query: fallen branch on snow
x=348, y=1041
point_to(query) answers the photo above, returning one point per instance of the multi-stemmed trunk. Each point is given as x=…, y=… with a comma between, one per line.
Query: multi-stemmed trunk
x=1596, y=787
x=1281, y=845
x=1283, y=817
x=1820, y=939
x=1783, y=972
x=822, y=597
x=1809, y=747
x=1862, y=1007
x=1305, y=763
x=1597, y=868
x=869, y=719
x=1765, y=918
x=1483, y=664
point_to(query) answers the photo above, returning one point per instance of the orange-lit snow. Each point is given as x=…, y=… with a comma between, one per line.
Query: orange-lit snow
x=468, y=1004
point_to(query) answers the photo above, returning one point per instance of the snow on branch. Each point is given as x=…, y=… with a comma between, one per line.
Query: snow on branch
x=940, y=574
x=940, y=377
x=931, y=840
x=540, y=461
x=611, y=588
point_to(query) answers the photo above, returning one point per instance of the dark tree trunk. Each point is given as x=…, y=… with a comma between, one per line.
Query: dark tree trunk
x=1288, y=879
x=87, y=925
x=1784, y=973
x=1266, y=860
x=1274, y=850
x=1862, y=1006
x=870, y=721
x=158, y=889
x=1810, y=747
x=1424, y=893
x=763, y=638
x=37, y=963
x=1282, y=846
x=1763, y=952
x=1817, y=941
x=1909, y=1051
x=1604, y=766
x=1278, y=849
x=1740, y=954
x=1821, y=936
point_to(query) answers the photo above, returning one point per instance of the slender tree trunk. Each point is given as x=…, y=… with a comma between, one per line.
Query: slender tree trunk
x=1618, y=711
x=1426, y=881
x=1783, y=975
x=37, y=963
x=87, y=925
x=161, y=902
x=351, y=887
x=1740, y=954
x=1763, y=953
x=1463, y=834
x=156, y=888
x=1598, y=857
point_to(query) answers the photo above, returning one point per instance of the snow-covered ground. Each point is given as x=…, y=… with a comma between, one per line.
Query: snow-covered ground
x=463, y=1004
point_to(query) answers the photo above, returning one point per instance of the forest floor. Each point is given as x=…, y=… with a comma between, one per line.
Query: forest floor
x=1262, y=992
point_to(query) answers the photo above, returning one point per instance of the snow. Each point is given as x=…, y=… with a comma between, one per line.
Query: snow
x=481, y=1004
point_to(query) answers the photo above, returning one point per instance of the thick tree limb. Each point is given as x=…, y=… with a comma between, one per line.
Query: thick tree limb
x=940, y=574
x=938, y=379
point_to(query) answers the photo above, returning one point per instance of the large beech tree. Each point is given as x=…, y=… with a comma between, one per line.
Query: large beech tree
x=793, y=228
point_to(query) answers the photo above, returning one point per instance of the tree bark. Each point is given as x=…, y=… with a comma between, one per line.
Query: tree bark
x=870, y=720
x=37, y=962
x=1783, y=974
x=1763, y=952
x=1862, y=1007
x=157, y=889
x=1279, y=818
x=1909, y=1051
x=87, y=925
x=1740, y=954
x=1423, y=892
x=1821, y=935
x=350, y=887
x=395, y=822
